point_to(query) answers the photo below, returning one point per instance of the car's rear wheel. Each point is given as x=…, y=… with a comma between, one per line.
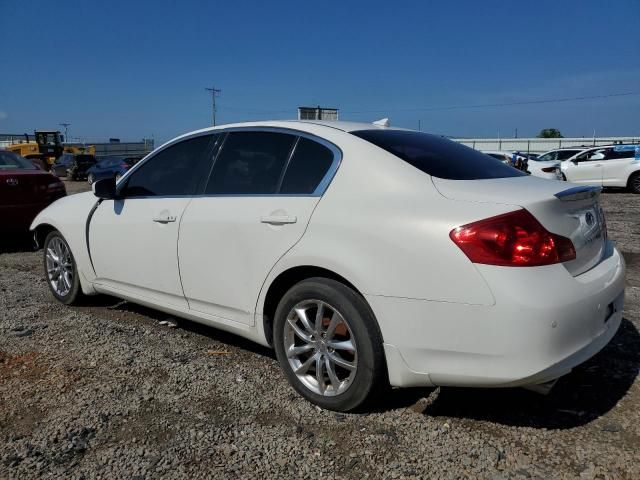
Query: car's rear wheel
x=60, y=269
x=634, y=183
x=328, y=343
x=90, y=179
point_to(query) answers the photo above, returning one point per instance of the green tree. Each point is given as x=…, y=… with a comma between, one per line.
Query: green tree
x=550, y=133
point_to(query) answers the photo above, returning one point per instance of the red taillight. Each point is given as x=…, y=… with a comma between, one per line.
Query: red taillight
x=549, y=169
x=515, y=239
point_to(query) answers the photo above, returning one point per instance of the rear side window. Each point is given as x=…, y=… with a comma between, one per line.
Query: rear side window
x=308, y=166
x=250, y=163
x=176, y=170
x=617, y=153
x=438, y=156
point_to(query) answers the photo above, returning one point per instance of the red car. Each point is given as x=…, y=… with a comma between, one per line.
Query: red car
x=24, y=191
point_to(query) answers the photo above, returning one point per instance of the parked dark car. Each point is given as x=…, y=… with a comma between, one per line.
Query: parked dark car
x=62, y=164
x=79, y=166
x=110, y=167
x=24, y=191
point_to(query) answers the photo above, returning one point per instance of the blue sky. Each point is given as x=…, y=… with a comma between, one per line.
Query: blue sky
x=132, y=69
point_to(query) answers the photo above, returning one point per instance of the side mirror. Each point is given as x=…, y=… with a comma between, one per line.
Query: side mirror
x=105, y=189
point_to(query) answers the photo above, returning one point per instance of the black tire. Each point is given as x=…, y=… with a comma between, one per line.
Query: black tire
x=74, y=294
x=634, y=183
x=564, y=178
x=369, y=376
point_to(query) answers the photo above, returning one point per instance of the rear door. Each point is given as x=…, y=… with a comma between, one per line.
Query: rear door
x=133, y=240
x=616, y=165
x=262, y=191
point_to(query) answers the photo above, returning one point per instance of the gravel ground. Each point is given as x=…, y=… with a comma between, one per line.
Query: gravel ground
x=105, y=391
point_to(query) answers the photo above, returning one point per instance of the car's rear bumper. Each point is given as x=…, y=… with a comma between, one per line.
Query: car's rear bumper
x=17, y=218
x=544, y=323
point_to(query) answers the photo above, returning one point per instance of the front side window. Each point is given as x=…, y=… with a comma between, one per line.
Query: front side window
x=585, y=156
x=308, y=166
x=176, y=170
x=437, y=156
x=250, y=163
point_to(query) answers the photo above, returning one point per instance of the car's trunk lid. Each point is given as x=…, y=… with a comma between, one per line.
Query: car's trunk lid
x=562, y=208
x=21, y=186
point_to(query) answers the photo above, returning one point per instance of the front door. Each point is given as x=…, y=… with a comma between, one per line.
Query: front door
x=133, y=240
x=587, y=168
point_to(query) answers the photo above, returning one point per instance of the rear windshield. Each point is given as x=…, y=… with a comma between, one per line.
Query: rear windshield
x=11, y=161
x=438, y=156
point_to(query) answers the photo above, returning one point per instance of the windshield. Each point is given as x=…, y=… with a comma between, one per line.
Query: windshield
x=11, y=161
x=438, y=156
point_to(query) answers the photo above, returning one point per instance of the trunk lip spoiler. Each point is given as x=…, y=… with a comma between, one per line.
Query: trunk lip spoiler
x=578, y=193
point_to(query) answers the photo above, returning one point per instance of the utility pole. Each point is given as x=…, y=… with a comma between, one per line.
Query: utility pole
x=214, y=91
x=66, y=128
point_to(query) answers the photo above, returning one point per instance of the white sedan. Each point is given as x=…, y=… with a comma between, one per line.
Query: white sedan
x=365, y=255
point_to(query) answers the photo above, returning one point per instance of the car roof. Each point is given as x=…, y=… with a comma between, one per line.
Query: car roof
x=303, y=125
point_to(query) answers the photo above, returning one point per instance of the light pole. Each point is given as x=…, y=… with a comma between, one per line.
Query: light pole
x=66, y=129
x=214, y=91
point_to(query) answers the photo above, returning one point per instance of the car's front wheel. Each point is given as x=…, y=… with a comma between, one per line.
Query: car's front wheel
x=60, y=269
x=328, y=343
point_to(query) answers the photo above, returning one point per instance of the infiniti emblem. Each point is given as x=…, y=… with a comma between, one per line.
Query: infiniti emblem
x=590, y=219
x=12, y=181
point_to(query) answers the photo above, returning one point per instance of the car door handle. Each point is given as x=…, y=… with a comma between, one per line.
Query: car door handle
x=164, y=218
x=279, y=219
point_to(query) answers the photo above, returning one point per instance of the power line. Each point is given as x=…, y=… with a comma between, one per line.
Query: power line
x=492, y=105
x=441, y=108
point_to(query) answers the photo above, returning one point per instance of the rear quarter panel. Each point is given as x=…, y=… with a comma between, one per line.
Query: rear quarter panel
x=383, y=226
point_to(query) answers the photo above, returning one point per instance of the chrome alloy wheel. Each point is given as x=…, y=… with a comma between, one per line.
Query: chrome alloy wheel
x=59, y=266
x=320, y=347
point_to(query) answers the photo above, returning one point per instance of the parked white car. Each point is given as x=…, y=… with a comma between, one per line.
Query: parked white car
x=365, y=255
x=547, y=165
x=608, y=166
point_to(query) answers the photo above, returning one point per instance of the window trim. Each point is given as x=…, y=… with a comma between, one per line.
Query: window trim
x=217, y=147
x=151, y=155
x=322, y=185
